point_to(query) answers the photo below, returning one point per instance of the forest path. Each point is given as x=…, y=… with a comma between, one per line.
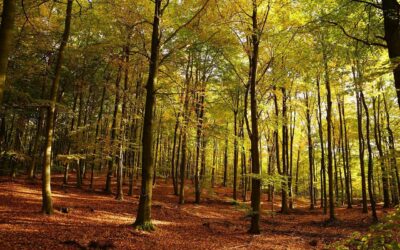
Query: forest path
x=98, y=219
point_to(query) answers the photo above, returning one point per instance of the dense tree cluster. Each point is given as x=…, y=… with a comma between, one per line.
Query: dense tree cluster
x=289, y=98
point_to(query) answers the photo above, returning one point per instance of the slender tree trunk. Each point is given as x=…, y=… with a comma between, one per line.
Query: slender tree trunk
x=199, y=148
x=296, y=186
x=224, y=183
x=99, y=117
x=378, y=141
x=174, y=151
x=47, y=203
x=136, y=132
x=184, y=162
x=321, y=139
x=310, y=153
x=392, y=152
x=69, y=142
x=276, y=136
x=122, y=125
x=157, y=148
x=284, y=207
x=329, y=138
x=370, y=163
x=79, y=166
x=361, y=148
x=243, y=159
x=177, y=165
x=114, y=136
x=335, y=162
x=348, y=155
x=235, y=154
x=344, y=154
x=290, y=179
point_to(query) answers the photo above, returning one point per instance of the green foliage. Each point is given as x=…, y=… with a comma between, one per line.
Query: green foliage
x=15, y=156
x=384, y=235
x=70, y=158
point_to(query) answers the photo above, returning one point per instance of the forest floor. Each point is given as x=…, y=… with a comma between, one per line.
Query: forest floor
x=98, y=220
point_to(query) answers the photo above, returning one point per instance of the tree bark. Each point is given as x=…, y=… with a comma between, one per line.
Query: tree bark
x=122, y=125
x=6, y=40
x=99, y=117
x=255, y=158
x=114, y=127
x=321, y=139
x=344, y=153
x=310, y=153
x=392, y=152
x=199, y=148
x=225, y=180
x=378, y=141
x=391, y=17
x=143, y=219
x=184, y=161
x=361, y=148
x=285, y=139
x=329, y=137
x=370, y=163
x=47, y=203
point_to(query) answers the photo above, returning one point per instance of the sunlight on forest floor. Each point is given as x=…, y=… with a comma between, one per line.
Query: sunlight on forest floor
x=215, y=223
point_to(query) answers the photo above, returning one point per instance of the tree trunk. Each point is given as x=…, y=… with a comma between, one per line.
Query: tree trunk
x=235, y=154
x=114, y=136
x=392, y=152
x=290, y=178
x=329, y=138
x=99, y=117
x=285, y=139
x=174, y=152
x=310, y=153
x=122, y=125
x=255, y=168
x=344, y=153
x=199, y=148
x=370, y=163
x=321, y=139
x=6, y=40
x=378, y=141
x=391, y=17
x=47, y=203
x=184, y=161
x=361, y=148
x=143, y=219
x=224, y=183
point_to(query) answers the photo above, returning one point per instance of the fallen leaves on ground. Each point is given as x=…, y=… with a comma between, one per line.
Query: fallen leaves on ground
x=90, y=219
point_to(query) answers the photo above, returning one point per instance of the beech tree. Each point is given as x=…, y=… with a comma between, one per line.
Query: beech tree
x=47, y=203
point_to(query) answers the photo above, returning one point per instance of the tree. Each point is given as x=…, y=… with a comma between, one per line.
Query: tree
x=47, y=203
x=6, y=40
x=143, y=219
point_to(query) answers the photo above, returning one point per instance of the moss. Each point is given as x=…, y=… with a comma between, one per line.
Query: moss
x=146, y=226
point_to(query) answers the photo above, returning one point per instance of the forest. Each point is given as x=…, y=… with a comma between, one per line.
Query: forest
x=199, y=124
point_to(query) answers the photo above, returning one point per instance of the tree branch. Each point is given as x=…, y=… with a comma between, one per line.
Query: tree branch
x=366, y=42
x=187, y=23
x=375, y=5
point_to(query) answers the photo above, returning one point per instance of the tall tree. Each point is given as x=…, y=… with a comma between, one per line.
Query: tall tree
x=329, y=135
x=143, y=218
x=47, y=203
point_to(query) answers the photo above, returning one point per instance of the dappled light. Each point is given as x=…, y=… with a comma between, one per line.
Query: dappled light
x=199, y=124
